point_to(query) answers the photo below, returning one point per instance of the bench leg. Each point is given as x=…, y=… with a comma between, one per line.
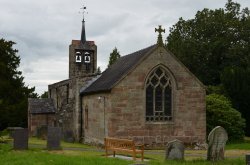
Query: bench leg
x=114, y=154
x=106, y=153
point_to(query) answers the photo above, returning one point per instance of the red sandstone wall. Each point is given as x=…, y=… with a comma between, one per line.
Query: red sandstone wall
x=95, y=124
x=125, y=107
x=127, y=118
x=37, y=120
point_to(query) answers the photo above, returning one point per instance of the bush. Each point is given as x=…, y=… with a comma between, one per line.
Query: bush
x=220, y=113
x=2, y=134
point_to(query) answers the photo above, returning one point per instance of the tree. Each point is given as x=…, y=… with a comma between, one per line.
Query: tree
x=236, y=82
x=13, y=92
x=114, y=55
x=213, y=40
x=44, y=95
x=220, y=113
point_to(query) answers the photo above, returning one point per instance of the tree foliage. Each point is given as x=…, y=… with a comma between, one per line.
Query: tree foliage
x=13, y=92
x=236, y=82
x=114, y=55
x=213, y=40
x=44, y=95
x=220, y=113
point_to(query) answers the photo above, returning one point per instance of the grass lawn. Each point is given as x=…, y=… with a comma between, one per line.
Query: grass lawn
x=44, y=157
x=36, y=141
x=38, y=155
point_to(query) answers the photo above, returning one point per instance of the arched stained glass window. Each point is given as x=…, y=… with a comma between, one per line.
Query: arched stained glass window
x=158, y=96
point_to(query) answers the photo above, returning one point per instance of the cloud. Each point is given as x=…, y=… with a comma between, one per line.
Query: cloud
x=44, y=29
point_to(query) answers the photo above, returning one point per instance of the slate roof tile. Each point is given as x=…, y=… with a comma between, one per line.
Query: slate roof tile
x=40, y=106
x=116, y=71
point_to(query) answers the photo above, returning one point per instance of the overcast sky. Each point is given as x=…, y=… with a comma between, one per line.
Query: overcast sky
x=44, y=29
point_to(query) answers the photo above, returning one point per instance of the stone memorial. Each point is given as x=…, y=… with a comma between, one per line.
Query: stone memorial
x=217, y=139
x=42, y=131
x=12, y=130
x=175, y=150
x=247, y=159
x=54, y=138
x=21, y=137
x=69, y=136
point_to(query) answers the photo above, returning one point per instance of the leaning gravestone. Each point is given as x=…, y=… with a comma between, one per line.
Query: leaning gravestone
x=217, y=139
x=21, y=139
x=54, y=138
x=175, y=150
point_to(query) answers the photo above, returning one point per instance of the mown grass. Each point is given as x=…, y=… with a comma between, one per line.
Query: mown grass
x=91, y=156
x=240, y=145
x=44, y=157
x=64, y=144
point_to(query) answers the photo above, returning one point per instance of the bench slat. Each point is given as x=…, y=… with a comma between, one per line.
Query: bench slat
x=123, y=145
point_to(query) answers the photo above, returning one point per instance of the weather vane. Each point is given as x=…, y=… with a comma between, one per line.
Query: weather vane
x=83, y=8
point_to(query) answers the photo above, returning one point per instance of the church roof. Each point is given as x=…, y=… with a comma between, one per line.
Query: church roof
x=40, y=106
x=117, y=71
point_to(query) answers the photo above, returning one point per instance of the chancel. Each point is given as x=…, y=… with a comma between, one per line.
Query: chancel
x=150, y=97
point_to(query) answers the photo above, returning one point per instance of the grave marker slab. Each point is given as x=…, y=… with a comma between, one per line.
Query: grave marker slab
x=21, y=137
x=217, y=139
x=175, y=150
x=247, y=159
x=54, y=138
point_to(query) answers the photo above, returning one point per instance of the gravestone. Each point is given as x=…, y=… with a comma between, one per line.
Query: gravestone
x=217, y=139
x=21, y=139
x=175, y=150
x=247, y=159
x=42, y=131
x=12, y=130
x=54, y=138
x=69, y=136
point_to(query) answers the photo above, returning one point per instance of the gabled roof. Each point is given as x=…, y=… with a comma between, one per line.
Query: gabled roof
x=40, y=106
x=117, y=71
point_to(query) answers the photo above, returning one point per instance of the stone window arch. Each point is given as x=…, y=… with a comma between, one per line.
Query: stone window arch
x=159, y=96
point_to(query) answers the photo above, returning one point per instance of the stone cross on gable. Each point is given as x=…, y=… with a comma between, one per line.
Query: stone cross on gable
x=159, y=40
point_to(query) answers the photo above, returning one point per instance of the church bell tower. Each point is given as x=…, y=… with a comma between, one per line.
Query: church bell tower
x=82, y=55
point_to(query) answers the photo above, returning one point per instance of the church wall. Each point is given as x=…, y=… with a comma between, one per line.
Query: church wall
x=96, y=110
x=127, y=114
x=38, y=120
x=80, y=82
x=79, y=69
x=65, y=95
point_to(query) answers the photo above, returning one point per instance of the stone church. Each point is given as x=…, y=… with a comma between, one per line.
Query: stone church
x=148, y=96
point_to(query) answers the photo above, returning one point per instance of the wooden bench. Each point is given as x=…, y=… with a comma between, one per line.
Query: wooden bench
x=123, y=146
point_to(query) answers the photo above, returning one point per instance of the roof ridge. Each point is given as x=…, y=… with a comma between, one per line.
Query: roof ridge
x=117, y=71
x=139, y=51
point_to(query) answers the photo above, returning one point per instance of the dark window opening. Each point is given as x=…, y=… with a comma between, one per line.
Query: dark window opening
x=158, y=96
